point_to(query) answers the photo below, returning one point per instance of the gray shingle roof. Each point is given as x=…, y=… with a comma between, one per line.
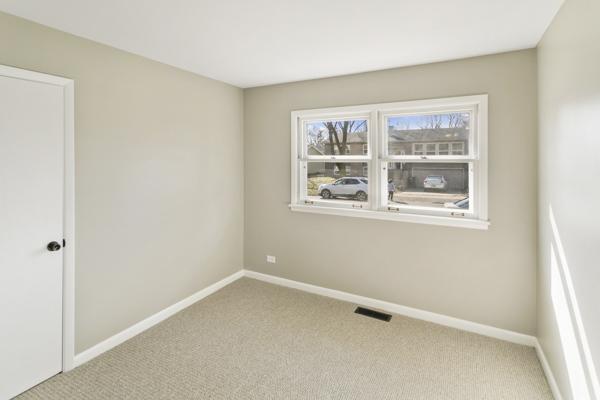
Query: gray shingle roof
x=428, y=135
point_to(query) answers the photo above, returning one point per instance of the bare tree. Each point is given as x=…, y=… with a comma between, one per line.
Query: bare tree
x=338, y=135
x=404, y=125
x=458, y=120
x=432, y=122
x=437, y=121
x=316, y=138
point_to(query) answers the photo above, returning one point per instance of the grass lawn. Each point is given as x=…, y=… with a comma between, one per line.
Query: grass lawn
x=312, y=185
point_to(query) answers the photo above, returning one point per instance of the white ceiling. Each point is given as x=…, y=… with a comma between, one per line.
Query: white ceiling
x=259, y=42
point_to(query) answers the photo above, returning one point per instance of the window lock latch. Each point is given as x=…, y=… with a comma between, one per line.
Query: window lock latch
x=357, y=206
x=309, y=202
x=455, y=214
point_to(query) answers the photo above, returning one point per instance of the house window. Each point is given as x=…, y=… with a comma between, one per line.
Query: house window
x=433, y=151
x=458, y=148
x=442, y=149
x=438, y=149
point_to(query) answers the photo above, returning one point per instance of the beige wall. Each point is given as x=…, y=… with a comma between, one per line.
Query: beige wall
x=569, y=144
x=159, y=183
x=160, y=216
x=483, y=276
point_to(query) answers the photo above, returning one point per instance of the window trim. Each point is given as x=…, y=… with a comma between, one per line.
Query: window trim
x=376, y=207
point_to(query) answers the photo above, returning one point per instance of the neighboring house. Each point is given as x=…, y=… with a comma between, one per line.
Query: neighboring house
x=420, y=142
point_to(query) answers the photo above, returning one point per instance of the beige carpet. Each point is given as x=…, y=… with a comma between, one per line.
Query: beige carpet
x=253, y=340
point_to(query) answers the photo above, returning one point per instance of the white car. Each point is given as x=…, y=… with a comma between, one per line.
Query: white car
x=356, y=187
x=435, y=182
x=463, y=203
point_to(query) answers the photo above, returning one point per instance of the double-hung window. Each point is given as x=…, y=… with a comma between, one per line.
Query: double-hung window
x=421, y=161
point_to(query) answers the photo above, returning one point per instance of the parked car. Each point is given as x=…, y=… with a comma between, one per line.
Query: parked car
x=435, y=182
x=462, y=203
x=351, y=186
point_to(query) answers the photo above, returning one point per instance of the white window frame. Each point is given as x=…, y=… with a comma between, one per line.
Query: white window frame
x=377, y=159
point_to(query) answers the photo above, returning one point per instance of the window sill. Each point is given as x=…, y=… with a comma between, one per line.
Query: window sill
x=395, y=216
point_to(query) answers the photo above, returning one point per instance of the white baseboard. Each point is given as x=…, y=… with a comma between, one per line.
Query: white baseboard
x=440, y=319
x=547, y=371
x=416, y=313
x=149, y=322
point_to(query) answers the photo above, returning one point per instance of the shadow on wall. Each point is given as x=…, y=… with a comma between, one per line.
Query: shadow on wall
x=582, y=373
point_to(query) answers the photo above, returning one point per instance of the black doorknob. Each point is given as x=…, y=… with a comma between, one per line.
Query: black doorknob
x=53, y=246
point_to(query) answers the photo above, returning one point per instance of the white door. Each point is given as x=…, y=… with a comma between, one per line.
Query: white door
x=32, y=117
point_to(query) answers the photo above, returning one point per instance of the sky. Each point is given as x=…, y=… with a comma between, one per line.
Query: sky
x=314, y=127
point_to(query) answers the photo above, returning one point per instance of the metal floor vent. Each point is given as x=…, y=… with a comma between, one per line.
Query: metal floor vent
x=373, y=314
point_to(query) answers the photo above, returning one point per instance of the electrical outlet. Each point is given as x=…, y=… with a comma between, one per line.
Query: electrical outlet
x=271, y=259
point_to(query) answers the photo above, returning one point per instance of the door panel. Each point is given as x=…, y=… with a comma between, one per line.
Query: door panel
x=351, y=187
x=31, y=216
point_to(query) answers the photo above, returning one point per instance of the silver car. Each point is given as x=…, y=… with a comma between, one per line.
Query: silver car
x=435, y=182
x=356, y=187
x=462, y=203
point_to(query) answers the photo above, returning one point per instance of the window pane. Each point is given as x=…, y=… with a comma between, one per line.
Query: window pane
x=326, y=138
x=457, y=148
x=443, y=149
x=430, y=134
x=337, y=181
x=442, y=185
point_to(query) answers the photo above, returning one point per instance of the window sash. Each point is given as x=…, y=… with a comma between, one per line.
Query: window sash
x=472, y=194
x=349, y=203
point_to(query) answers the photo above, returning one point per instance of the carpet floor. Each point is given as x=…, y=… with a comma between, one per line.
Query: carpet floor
x=253, y=340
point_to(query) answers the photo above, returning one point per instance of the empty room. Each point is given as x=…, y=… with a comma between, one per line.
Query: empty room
x=274, y=199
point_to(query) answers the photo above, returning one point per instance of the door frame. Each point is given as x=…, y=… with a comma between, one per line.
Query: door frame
x=68, y=278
